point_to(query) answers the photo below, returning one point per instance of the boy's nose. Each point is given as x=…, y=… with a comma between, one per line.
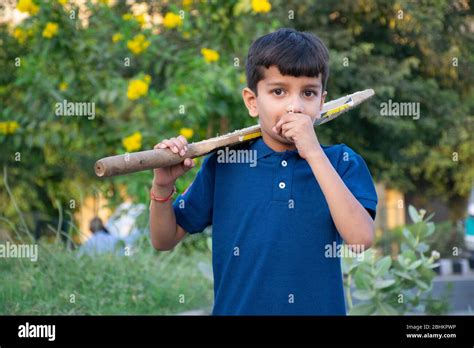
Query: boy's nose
x=295, y=107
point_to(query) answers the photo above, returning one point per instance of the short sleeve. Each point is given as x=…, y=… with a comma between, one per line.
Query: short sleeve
x=357, y=177
x=193, y=208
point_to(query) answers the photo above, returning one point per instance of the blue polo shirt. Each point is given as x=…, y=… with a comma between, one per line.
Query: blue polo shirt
x=271, y=229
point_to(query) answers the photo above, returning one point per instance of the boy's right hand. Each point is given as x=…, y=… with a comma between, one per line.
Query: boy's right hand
x=165, y=177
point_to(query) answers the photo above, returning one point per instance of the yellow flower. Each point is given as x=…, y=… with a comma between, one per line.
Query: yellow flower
x=20, y=34
x=50, y=30
x=210, y=55
x=105, y=2
x=27, y=6
x=186, y=132
x=117, y=37
x=138, y=88
x=9, y=127
x=187, y=3
x=261, y=6
x=63, y=2
x=140, y=19
x=172, y=20
x=138, y=44
x=63, y=86
x=391, y=24
x=133, y=142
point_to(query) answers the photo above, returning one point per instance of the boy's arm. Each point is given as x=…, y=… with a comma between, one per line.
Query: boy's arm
x=352, y=220
x=164, y=232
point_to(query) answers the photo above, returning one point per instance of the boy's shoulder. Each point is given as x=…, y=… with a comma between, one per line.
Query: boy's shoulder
x=338, y=148
x=342, y=156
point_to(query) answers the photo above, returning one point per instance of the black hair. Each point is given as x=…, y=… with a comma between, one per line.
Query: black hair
x=294, y=52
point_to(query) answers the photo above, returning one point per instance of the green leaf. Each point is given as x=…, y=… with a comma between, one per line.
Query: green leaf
x=362, y=279
x=383, y=265
x=422, y=285
x=431, y=228
x=409, y=237
x=386, y=309
x=413, y=214
x=362, y=309
x=384, y=283
x=422, y=247
x=347, y=267
x=415, y=265
x=363, y=295
x=404, y=275
x=409, y=255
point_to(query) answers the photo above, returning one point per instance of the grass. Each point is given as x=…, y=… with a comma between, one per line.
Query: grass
x=146, y=282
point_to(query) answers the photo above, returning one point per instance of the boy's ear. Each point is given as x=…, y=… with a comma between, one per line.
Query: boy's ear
x=250, y=100
x=323, y=98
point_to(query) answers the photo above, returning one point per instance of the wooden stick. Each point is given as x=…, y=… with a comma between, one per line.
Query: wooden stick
x=157, y=158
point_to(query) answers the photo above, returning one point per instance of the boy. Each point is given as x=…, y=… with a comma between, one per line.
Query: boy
x=273, y=223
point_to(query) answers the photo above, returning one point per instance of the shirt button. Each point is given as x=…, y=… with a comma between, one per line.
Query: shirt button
x=284, y=163
x=281, y=185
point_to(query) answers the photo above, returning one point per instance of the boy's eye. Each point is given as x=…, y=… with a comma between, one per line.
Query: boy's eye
x=309, y=93
x=278, y=91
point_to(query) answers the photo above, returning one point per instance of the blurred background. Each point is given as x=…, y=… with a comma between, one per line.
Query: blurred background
x=132, y=73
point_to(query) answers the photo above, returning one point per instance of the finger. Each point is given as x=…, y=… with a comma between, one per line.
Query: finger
x=159, y=146
x=189, y=162
x=168, y=143
x=279, y=128
x=289, y=125
x=177, y=145
x=183, y=141
x=184, y=145
x=286, y=118
x=289, y=134
x=182, y=168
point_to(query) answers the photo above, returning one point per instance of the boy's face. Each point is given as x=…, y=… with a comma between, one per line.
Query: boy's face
x=279, y=94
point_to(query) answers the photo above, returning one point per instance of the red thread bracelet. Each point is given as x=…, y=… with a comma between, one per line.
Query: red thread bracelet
x=158, y=199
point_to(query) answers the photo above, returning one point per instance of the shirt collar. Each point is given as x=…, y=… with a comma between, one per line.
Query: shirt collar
x=264, y=150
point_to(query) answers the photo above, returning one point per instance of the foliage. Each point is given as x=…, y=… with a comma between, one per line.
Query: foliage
x=448, y=239
x=147, y=80
x=151, y=79
x=387, y=286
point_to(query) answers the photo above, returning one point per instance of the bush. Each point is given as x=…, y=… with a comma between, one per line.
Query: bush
x=448, y=239
x=389, y=286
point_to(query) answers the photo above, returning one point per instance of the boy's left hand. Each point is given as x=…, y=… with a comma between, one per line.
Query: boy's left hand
x=299, y=128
